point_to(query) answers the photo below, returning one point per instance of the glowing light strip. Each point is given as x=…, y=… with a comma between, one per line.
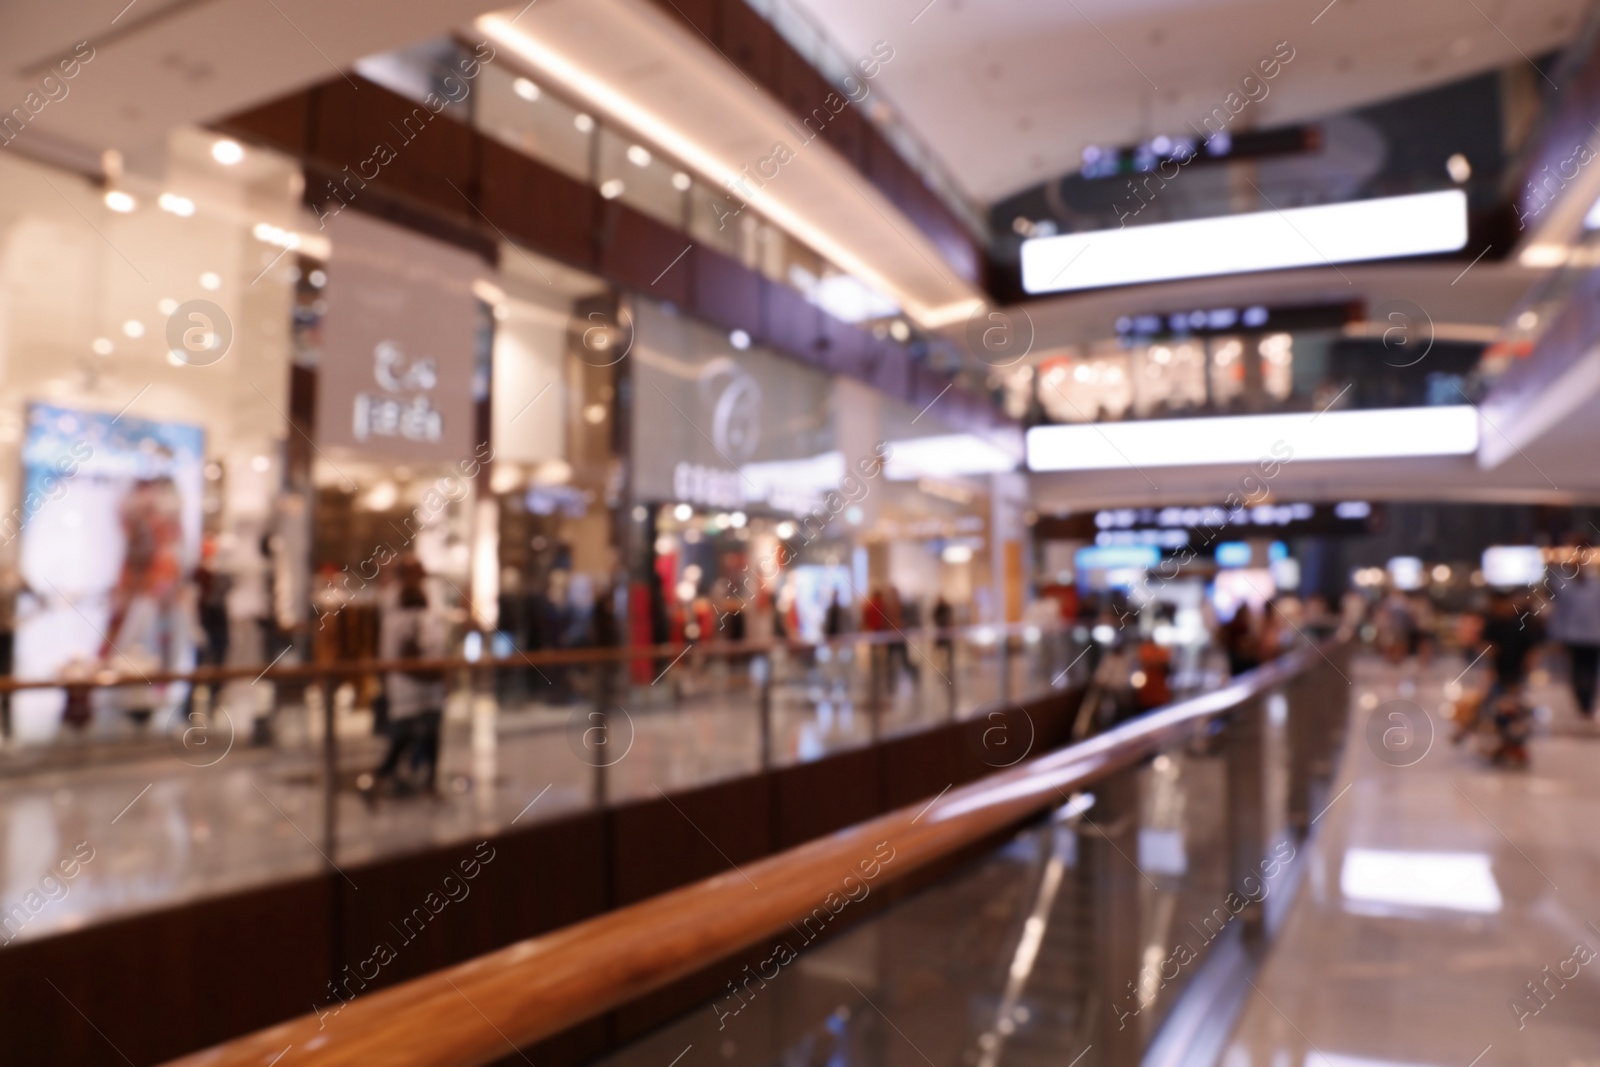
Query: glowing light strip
x=621, y=108
x=1385, y=433
x=1385, y=228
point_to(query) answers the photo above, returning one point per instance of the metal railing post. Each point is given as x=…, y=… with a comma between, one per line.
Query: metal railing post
x=1246, y=807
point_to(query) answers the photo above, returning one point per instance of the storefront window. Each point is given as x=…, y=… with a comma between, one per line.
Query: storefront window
x=144, y=370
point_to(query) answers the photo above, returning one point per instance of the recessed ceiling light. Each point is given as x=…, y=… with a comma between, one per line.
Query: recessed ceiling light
x=638, y=155
x=1527, y=320
x=611, y=188
x=121, y=202
x=739, y=339
x=101, y=346
x=525, y=89
x=227, y=152
x=681, y=182
x=211, y=280
x=583, y=122
x=133, y=328
x=1458, y=168
x=166, y=305
x=174, y=204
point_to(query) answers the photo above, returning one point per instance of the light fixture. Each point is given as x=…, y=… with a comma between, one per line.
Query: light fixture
x=101, y=346
x=611, y=188
x=1383, y=228
x=211, y=281
x=1458, y=168
x=1527, y=320
x=638, y=155
x=899, y=330
x=525, y=89
x=120, y=202
x=738, y=519
x=317, y=278
x=594, y=414
x=784, y=531
x=1545, y=254
x=683, y=512
x=681, y=182
x=739, y=339
x=957, y=554
x=945, y=455
x=583, y=123
x=227, y=152
x=1386, y=433
x=181, y=206
x=133, y=328
x=1455, y=881
x=166, y=305
x=709, y=162
x=267, y=233
x=1441, y=573
x=260, y=464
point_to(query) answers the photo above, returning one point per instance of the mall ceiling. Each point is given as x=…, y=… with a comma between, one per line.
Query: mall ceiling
x=1007, y=93
x=158, y=64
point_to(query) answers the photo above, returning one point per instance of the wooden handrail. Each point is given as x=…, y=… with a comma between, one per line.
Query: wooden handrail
x=479, y=1011
x=542, y=658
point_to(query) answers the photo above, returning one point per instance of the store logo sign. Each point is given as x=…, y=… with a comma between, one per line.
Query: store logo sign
x=404, y=409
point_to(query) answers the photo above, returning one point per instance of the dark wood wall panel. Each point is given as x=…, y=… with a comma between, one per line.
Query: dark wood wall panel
x=815, y=799
x=434, y=157
x=644, y=254
x=537, y=205
x=791, y=323
x=660, y=844
x=725, y=293
x=749, y=42
x=164, y=983
x=550, y=875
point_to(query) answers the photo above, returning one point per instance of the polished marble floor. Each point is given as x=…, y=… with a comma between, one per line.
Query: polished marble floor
x=1434, y=893
x=168, y=824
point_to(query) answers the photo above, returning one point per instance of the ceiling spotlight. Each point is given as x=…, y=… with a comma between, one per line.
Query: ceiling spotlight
x=166, y=305
x=611, y=188
x=101, y=346
x=227, y=152
x=899, y=330
x=211, y=281
x=683, y=512
x=582, y=122
x=739, y=339
x=681, y=182
x=133, y=328
x=638, y=155
x=1527, y=320
x=525, y=89
x=181, y=206
x=1458, y=168
x=318, y=278
x=120, y=202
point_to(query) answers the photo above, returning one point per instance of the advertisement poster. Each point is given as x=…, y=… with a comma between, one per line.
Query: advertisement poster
x=109, y=525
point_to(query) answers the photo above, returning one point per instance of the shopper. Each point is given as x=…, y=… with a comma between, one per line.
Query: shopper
x=411, y=630
x=1577, y=626
x=1514, y=641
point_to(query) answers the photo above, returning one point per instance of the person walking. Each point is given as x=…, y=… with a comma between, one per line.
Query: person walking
x=411, y=630
x=1577, y=626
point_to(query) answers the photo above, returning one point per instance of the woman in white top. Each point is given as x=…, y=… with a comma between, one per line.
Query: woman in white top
x=411, y=630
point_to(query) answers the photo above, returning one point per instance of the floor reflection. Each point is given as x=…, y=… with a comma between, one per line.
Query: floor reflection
x=1435, y=893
